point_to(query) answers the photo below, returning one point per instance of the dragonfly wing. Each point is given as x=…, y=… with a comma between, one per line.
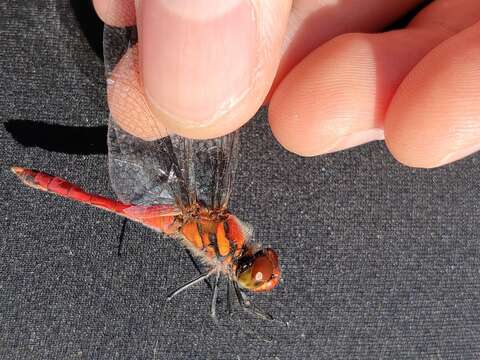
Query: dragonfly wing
x=116, y=42
x=171, y=169
x=208, y=167
x=139, y=170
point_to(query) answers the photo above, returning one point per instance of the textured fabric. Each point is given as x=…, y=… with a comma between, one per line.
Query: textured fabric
x=379, y=260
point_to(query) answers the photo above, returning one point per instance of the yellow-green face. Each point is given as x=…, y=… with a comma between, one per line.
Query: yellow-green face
x=261, y=272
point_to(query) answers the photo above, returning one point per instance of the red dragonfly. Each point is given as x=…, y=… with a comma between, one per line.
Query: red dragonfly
x=180, y=187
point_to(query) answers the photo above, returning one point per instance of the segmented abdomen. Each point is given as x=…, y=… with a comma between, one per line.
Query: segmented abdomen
x=158, y=217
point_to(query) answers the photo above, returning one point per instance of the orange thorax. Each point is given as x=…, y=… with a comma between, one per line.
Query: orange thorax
x=223, y=239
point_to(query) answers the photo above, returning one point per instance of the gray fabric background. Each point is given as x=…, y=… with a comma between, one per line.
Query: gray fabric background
x=379, y=260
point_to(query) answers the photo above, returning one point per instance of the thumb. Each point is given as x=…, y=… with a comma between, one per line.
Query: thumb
x=207, y=65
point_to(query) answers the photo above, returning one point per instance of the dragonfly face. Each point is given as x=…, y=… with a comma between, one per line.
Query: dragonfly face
x=259, y=271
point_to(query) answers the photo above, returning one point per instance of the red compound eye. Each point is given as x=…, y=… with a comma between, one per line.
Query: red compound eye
x=260, y=272
x=262, y=269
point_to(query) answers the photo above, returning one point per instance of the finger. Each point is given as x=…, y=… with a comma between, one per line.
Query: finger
x=434, y=118
x=314, y=22
x=126, y=100
x=207, y=65
x=116, y=12
x=338, y=96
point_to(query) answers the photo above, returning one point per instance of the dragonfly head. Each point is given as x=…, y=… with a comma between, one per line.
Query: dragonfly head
x=258, y=271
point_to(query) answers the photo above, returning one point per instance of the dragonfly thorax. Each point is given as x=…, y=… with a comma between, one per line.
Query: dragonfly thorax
x=216, y=236
x=221, y=241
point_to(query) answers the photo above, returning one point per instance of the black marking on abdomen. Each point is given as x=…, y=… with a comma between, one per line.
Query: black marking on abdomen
x=213, y=242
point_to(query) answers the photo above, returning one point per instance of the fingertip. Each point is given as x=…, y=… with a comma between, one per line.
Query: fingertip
x=327, y=103
x=434, y=116
x=207, y=78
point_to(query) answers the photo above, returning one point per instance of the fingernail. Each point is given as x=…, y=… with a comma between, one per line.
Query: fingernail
x=458, y=154
x=356, y=138
x=198, y=56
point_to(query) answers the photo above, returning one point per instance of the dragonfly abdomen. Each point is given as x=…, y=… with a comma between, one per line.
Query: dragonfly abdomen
x=157, y=217
x=58, y=186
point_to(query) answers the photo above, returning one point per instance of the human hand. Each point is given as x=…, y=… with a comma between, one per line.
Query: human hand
x=208, y=65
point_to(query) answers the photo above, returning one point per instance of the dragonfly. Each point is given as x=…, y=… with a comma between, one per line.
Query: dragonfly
x=181, y=188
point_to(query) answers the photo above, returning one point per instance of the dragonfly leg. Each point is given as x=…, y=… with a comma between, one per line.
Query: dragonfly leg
x=213, y=308
x=197, y=267
x=122, y=235
x=189, y=284
x=229, y=298
x=248, y=306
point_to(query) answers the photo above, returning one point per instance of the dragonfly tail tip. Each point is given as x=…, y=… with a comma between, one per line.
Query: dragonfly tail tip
x=17, y=170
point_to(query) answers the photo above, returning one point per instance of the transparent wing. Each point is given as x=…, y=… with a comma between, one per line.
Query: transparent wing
x=140, y=171
x=170, y=169
x=208, y=167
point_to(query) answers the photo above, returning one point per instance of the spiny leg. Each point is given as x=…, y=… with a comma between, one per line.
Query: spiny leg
x=248, y=306
x=229, y=298
x=122, y=235
x=239, y=295
x=258, y=311
x=197, y=267
x=189, y=284
x=213, y=308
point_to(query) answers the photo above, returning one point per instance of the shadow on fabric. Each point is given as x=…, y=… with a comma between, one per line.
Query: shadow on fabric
x=79, y=140
x=90, y=24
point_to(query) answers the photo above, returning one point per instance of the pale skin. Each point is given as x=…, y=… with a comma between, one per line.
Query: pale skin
x=331, y=79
